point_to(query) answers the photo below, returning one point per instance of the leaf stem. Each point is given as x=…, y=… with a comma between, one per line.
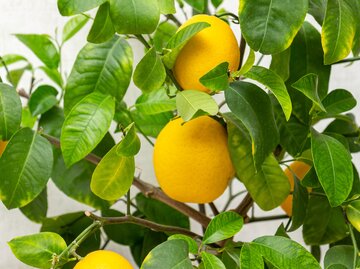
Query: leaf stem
x=353, y=239
x=2, y=61
x=172, y=18
x=349, y=60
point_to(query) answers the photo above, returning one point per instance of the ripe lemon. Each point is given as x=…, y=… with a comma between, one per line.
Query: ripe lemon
x=191, y=160
x=204, y=51
x=103, y=259
x=2, y=146
x=299, y=169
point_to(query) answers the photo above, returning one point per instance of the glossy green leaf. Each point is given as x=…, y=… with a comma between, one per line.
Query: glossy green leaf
x=323, y=224
x=231, y=257
x=102, y=29
x=42, y=47
x=75, y=181
x=339, y=255
x=53, y=74
x=308, y=85
x=113, y=176
x=250, y=258
x=356, y=14
x=135, y=17
x=311, y=180
x=105, y=67
x=161, y=213
x=333, y=166
x=42, y=99
x=168, y=255
x=317, y=9
x=162, y=35
x=130, y=144
x=52, y=121
x=27, y=120
x=26, y=167
x=353, y=213
x=252, y=107
x=270, y=26
x=10, y=111
x=216, y=79
x=280, y=64
x=150, y=73
x=210, y=261
x=85, y=126
x=337, y=38
x=216, y=3
x=15, y=75
x=37, y=250
x=192, y=104
x=283, y=252
x=150, y=125
x=72, y=7
x=281, y=231
x=198, y=5
x=36, y=210
x=167, y=6
x=268, y=186
x=69, y=226
x=275, y=84
x=193, y=246
x=339, y=101
x=73, y=26
x=11, y=59
x=179, y=40
x=246, y=66
x=155, y=102
x=223, y=226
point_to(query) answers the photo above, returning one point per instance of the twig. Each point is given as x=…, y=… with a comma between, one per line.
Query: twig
x=257, y=219
x=172, y=18
x=202, y=210
x=23, y=93
x=141, y=222
x=2, y=61
x=214, y=209
x=244, y=206
x=349, y=60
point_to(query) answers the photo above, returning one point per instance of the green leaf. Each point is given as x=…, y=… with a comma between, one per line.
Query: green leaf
x=246, y=66
x=130, y=144
x=356, y=14
x=75, y=181
x=282, y=252
x=150, y=73
x=85, y=126
x=26, y=167
x=275, y=84
x=281, y=231
x=69, y=226
x=353, y=213
x=252, y=107
x=310, y=179
x=135, y=17
x=268, y=186
x=167, y=6
x=155, y=102
x=36, y=210
x=42, y=100
x=125, y=233
x=168, y=255
x=198, y=5
x=216, y=3
x=317, y=9
x=53, y=74
x=337, y=38
x=11, y=59
x=162, y=35
x=192, y=104
x=27, y=120
x=52, y=121
x=73, y=26
x=216, y=79
x=10, y=111
x=223, y=226
x=150, y=125
x=323, y=224
x=270, y=26
x=193, y=246
x=37, y=250
x=250, y=258
x=339, y=255
x=231, y=257
x=102, y=29
x=308, y=85
x=161, y=213
x=72, y=7
x=15, y=75
x=280, y=63
x=42, y=47
x=113, y=176
x=333, y=166
x=210, y=261
x=179, y=40
x=105, y=67
x=339, y=101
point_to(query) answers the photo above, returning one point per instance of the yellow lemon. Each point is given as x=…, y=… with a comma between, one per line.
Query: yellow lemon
x=2, y=146
x=103, y=259
x=299, y=169
x=191, y=160
x=204, y=51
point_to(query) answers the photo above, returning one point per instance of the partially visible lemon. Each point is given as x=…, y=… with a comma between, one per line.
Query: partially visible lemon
x=191, y=160
x=2, y=146
x=204, y=51
x=300, y=169
x=103, y=259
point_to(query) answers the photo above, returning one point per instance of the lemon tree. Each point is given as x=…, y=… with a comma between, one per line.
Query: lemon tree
x=212, y=113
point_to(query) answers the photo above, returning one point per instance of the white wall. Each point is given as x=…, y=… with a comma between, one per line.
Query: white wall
x=41, y=16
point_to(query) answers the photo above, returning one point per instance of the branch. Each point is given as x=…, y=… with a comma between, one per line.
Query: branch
x=257, y=219
x=244, y=206
x=173, y=19
x=142, y=222
x=148, y=190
